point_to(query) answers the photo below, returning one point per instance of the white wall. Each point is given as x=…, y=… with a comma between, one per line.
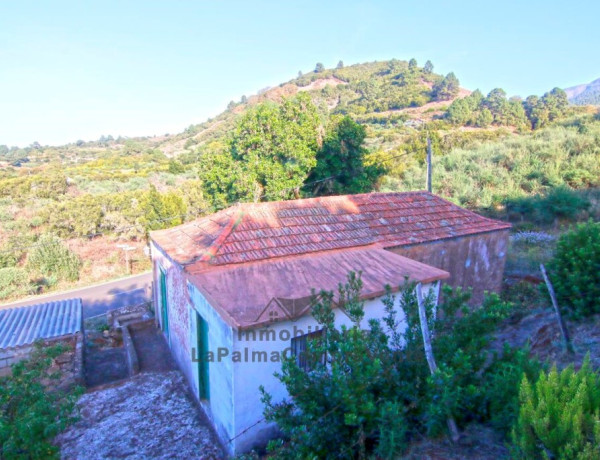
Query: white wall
x=220, y=374
x=248, y=376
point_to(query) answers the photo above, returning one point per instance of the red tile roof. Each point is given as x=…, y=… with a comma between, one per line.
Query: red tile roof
x=283, y=285
x=260, y=231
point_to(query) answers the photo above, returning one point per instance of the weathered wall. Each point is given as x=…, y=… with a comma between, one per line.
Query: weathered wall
x=69, y=364
x=219, y=407
x=475, y=261
x=253, y=371
x=183, y=300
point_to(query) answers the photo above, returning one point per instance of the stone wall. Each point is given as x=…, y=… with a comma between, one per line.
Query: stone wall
x=69, y=363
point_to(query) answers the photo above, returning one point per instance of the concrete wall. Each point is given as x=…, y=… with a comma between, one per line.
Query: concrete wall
x=253, y=371
x=475, y=261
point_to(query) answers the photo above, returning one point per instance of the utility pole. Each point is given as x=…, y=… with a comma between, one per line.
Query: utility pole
x=429, y=166
x=126, y=248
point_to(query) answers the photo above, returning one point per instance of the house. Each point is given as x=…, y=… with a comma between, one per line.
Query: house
x=235, y=286
x=50, y=323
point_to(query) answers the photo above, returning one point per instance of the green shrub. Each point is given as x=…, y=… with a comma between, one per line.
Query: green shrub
x=52, y=259
x=375, y=390
x=559, y=415
x=575, y=272
x=30, y=415
x=559, y=203
x=13, y=281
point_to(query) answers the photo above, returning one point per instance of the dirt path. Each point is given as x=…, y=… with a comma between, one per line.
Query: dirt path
x=149, y=416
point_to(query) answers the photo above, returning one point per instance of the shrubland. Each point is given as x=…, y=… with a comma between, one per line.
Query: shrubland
x=369, y=390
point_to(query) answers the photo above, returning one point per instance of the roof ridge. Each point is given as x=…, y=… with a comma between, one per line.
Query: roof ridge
x=234, y=220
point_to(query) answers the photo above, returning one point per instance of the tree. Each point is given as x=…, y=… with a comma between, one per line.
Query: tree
x=300, y=74
x=244, y=99
x=161, y=210
x=459, y=112
x=340, y=65
x=270, y=153
x=412, y=64
x=447, y=88
x=319, y=67
x=231, y=105
x=428, y=67
x=485, y=118
x=341, y=165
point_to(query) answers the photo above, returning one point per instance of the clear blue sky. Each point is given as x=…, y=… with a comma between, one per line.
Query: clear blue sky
x=76, y=70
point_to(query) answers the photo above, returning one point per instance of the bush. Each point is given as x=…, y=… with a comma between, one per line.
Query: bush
x=574, y=270
x=31, y=416
x=559, y=415
x=51, y=259
x=374, y=391
x=13, y=281
x=559, y=203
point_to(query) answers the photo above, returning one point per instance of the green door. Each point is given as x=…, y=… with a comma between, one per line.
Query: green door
x=202, y=349
x=163, y=302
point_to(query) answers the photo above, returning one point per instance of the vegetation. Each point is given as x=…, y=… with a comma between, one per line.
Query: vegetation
x=534, y=112
x=373, y=391
x=559, y=415
x=51, y=259
x=354, y=128
x=574, y=270
x=31, y=415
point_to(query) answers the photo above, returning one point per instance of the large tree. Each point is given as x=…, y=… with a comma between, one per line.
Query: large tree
x=270, y=153
x=447, y=88
x=341, y=165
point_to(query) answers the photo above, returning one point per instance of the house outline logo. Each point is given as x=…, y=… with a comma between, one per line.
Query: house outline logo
x=280, y=309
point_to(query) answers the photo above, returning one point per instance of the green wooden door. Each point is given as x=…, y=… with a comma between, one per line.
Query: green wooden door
x=163, y=302
x=202, y=348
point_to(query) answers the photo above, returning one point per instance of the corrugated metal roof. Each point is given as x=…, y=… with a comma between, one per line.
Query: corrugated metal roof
x=24, y=325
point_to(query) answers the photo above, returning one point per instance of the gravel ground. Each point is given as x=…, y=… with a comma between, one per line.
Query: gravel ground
x=148, y=416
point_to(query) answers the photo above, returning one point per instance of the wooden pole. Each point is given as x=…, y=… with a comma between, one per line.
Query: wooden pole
x=429, y=355
x=561, y=323
x=429, y=166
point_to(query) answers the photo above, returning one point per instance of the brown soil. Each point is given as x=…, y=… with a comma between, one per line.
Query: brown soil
x=540, y=330
x=476, y=443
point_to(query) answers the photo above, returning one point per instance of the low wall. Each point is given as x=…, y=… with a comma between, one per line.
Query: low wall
x=69, y=363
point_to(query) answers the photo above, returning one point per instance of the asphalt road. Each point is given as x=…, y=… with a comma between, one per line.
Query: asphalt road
x=100, y=298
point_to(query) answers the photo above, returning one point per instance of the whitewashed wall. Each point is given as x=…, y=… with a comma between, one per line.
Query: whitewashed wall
x=220, y=405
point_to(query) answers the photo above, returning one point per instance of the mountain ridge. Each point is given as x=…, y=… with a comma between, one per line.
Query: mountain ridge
x=585, y=94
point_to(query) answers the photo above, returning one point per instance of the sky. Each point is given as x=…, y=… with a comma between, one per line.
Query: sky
x=79, y=70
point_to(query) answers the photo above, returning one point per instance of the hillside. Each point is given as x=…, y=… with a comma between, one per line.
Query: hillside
x=586, y=94
x=76, y=203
